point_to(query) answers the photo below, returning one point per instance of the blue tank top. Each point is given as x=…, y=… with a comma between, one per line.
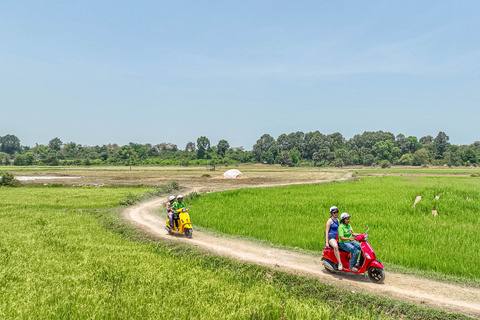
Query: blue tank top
x=333, y=228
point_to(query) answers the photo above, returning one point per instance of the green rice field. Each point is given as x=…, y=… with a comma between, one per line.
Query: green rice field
x=66, y=254
x=401, y=234
x=421, y=171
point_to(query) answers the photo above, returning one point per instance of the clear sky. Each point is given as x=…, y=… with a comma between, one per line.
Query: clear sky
x=97, y=72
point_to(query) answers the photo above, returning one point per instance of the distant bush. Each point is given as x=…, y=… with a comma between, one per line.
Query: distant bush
x=385, y=164
x=8, y=180
x=55, y=185
x=206, y=175
x=189, y=197
x=338, y=163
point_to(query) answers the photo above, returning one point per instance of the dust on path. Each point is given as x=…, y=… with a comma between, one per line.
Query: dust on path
x=439, y=295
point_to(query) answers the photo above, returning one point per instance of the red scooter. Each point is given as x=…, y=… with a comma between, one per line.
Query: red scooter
x=370, y=264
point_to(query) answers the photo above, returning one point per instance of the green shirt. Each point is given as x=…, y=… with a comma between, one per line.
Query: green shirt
x=343, y=232
x=177, y=205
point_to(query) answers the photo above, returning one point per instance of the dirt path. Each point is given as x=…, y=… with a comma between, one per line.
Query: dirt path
x=448, y=297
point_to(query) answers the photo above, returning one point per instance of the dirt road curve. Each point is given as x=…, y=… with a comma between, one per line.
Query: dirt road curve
x=448, y=297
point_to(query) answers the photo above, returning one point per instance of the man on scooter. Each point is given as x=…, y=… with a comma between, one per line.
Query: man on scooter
x=346, y=240
x=177, y=205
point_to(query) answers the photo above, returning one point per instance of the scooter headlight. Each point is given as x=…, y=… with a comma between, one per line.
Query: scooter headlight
x=367, y=255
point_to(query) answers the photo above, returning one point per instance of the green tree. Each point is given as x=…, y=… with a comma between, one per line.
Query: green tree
x=283, y=142
x=190, y=147
x=426, y=140
x=55, y=144
x=368, y=139
x=268, y=157
x=10, y=144
x=406, y=159
x=4, y=159
x=203, y=145
x=343, y=155
x=338, y=141
x=26, y=159
x=386, y=150
x=286, y=159
x=72, y=150
x=440, y=144
x=413, y=144
x=222, y=147
x=421, y=157
x=402, y=143
x=294, y=156
x=368, y=159
x=40, y=152
x=265, y=149
x=314, y=141
x=141, y=150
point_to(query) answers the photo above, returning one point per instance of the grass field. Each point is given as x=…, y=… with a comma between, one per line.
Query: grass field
x=402, y=235
x=442, y=171
x=65, y=254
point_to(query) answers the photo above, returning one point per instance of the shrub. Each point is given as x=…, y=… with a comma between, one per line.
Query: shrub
x=189, y=197
x=55, y=185
x=338, y=163
x=385, y=164
x=206, y=175
x=8, y=180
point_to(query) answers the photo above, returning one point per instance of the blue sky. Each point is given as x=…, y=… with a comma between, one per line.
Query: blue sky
x=98, y=72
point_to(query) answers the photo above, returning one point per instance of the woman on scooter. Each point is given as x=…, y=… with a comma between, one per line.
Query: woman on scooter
x=331, y=233
x=346, y=240
x=169, y=208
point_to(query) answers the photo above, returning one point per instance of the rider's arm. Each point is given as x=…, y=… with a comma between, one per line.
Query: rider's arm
x=355, y=234
x=327, y=230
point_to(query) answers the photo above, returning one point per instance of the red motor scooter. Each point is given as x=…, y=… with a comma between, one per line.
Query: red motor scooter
x=370, y=264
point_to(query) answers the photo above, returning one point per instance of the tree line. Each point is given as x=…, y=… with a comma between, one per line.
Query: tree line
x=371, y=148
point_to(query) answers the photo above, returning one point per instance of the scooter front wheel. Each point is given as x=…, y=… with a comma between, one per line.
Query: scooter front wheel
x=377, y=275
x=188, y=233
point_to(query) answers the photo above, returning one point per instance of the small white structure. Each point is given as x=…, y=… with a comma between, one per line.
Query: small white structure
x=232, y=173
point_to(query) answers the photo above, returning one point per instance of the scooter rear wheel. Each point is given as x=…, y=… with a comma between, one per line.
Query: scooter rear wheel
x=377, y=275
x=329, y=266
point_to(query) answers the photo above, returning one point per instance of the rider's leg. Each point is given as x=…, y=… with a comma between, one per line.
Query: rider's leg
x=347, y=246
x=359, y=247
x=333, y=243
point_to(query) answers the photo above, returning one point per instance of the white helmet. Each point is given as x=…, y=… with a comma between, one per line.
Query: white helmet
x=344, y=216
x=179, y=196
x=171, y=198
x=333, y=209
